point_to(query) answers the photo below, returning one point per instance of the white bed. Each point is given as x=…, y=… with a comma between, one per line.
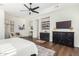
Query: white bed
x=23, y=47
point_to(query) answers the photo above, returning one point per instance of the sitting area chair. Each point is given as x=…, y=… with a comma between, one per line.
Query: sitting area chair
x=13, y=34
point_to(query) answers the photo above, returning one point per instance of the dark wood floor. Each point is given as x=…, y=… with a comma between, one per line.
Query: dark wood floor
x=61, y=50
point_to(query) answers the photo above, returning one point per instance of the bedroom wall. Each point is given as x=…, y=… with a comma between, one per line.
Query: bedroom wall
x=68, y=12
x=18, y=21
x=2, y=22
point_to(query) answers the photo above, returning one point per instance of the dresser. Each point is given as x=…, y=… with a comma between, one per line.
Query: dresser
x=64, y=38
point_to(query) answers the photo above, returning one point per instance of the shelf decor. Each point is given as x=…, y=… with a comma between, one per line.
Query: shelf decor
x=45, y=24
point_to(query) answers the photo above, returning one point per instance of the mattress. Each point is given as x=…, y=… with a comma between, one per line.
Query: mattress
x=23, y=47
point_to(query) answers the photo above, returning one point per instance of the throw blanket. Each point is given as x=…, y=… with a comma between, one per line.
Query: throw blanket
x=23, y=47
x=7, y=50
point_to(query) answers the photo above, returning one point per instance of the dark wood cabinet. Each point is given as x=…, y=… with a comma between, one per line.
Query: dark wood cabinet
x=65, y=38
x=44, y=36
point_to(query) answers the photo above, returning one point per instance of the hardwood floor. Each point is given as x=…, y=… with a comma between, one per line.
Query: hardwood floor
x=61, y=50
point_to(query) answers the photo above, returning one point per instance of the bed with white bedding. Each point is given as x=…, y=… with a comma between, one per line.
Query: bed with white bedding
x=23, y=47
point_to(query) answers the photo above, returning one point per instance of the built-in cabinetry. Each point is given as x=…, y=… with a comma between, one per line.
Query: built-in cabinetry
x=45, y=23
x=65, y=38
x=44, y=36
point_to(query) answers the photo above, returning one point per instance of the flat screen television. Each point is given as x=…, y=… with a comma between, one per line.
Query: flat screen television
x=63, y=25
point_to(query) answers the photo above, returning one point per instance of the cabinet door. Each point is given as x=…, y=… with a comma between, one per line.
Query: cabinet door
x=69, y=39
x=56, y=37
x=70, y=36
x=44, y=36
x=62, y=37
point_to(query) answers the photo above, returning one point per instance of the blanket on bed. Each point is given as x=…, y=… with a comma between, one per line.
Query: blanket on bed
x=23, y=47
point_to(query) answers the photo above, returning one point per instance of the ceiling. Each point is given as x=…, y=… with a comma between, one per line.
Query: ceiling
x=16, y=8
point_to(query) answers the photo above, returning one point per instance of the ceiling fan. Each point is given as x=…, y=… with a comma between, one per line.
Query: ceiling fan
x=31, y=9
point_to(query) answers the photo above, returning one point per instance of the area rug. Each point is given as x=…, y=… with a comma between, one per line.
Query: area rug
x=40, y=41
x=42, y=51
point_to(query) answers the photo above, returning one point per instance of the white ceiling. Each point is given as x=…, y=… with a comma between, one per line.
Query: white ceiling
x=16, y=9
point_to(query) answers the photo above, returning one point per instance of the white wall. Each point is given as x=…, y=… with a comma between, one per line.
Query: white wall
x=2, y=24
x=21, y=21
x=18, y=21
x=68, y=12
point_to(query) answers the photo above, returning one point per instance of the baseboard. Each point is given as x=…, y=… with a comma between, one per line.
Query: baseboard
x=76, y=46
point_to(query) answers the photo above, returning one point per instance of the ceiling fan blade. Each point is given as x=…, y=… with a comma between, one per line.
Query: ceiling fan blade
x=26, y=6
x=35, y=8
x=35, y=11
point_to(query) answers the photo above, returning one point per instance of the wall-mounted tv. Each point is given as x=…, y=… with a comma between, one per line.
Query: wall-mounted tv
x=63, y=25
